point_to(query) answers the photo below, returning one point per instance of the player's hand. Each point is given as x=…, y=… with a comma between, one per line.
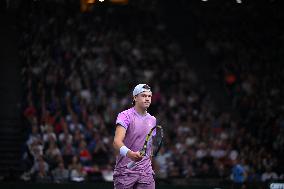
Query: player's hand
x=134, y=156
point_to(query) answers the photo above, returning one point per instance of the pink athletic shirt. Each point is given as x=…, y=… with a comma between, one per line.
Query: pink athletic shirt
x=137, y=127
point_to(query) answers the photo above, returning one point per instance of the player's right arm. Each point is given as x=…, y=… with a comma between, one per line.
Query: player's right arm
x=120, y=132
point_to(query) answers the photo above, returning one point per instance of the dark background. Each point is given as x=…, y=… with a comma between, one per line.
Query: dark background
x=215, y=67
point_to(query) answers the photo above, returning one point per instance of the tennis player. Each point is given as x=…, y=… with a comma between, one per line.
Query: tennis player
x=132, y=126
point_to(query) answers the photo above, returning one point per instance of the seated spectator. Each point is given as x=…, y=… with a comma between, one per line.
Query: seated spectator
x=52, y=153
x=35, y=150
x=68, y=151
x=93, y=141
x=48, y=135
x=100, y=152
x=75, y=124
x=34, y=136
x=74, y=162
x=65, y=137
x=60, y=173
x=161, y=164
x=238, y=174
x=84, y=154
x=78, y=136
x=39, y=163
x=269, y=175
x=107, y=173
x=42, y=175
x=77, y=174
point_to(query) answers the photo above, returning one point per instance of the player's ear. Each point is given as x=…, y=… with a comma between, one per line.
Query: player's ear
x=134, y=100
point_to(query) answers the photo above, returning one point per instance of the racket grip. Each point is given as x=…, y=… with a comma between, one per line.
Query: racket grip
x=131, y=164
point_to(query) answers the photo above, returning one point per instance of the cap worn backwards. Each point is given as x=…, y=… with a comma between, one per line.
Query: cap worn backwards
x=140, y=88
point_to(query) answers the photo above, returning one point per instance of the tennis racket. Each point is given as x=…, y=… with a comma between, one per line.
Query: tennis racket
x=154, y=140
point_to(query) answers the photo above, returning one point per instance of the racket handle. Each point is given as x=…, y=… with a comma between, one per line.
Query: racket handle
x=131, y=164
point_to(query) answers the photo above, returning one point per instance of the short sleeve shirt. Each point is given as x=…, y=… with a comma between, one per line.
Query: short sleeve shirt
x=137, y=127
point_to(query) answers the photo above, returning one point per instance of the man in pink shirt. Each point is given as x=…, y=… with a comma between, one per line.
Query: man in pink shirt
x=132, y=126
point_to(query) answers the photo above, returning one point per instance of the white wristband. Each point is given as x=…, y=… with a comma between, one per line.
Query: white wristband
x=123, y=150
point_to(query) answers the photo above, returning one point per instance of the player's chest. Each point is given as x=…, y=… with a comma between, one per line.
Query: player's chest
x=141, y=126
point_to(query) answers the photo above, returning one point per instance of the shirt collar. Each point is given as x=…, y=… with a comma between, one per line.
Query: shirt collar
x=134, y=110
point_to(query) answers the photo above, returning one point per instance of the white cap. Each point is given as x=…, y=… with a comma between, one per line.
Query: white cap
x=140, y=88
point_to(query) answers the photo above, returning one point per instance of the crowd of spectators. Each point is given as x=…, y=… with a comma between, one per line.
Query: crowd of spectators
x=79, y=70
x=248, y=63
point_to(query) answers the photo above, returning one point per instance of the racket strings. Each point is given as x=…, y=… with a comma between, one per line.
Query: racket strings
x=157, y=141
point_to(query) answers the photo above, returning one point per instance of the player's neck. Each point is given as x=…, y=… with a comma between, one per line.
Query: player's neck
x=140, y=111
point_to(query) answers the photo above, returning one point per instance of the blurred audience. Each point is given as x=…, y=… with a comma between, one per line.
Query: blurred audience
x=78, y=73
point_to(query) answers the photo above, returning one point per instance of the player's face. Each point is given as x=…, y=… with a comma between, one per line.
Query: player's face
x=143, y=100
